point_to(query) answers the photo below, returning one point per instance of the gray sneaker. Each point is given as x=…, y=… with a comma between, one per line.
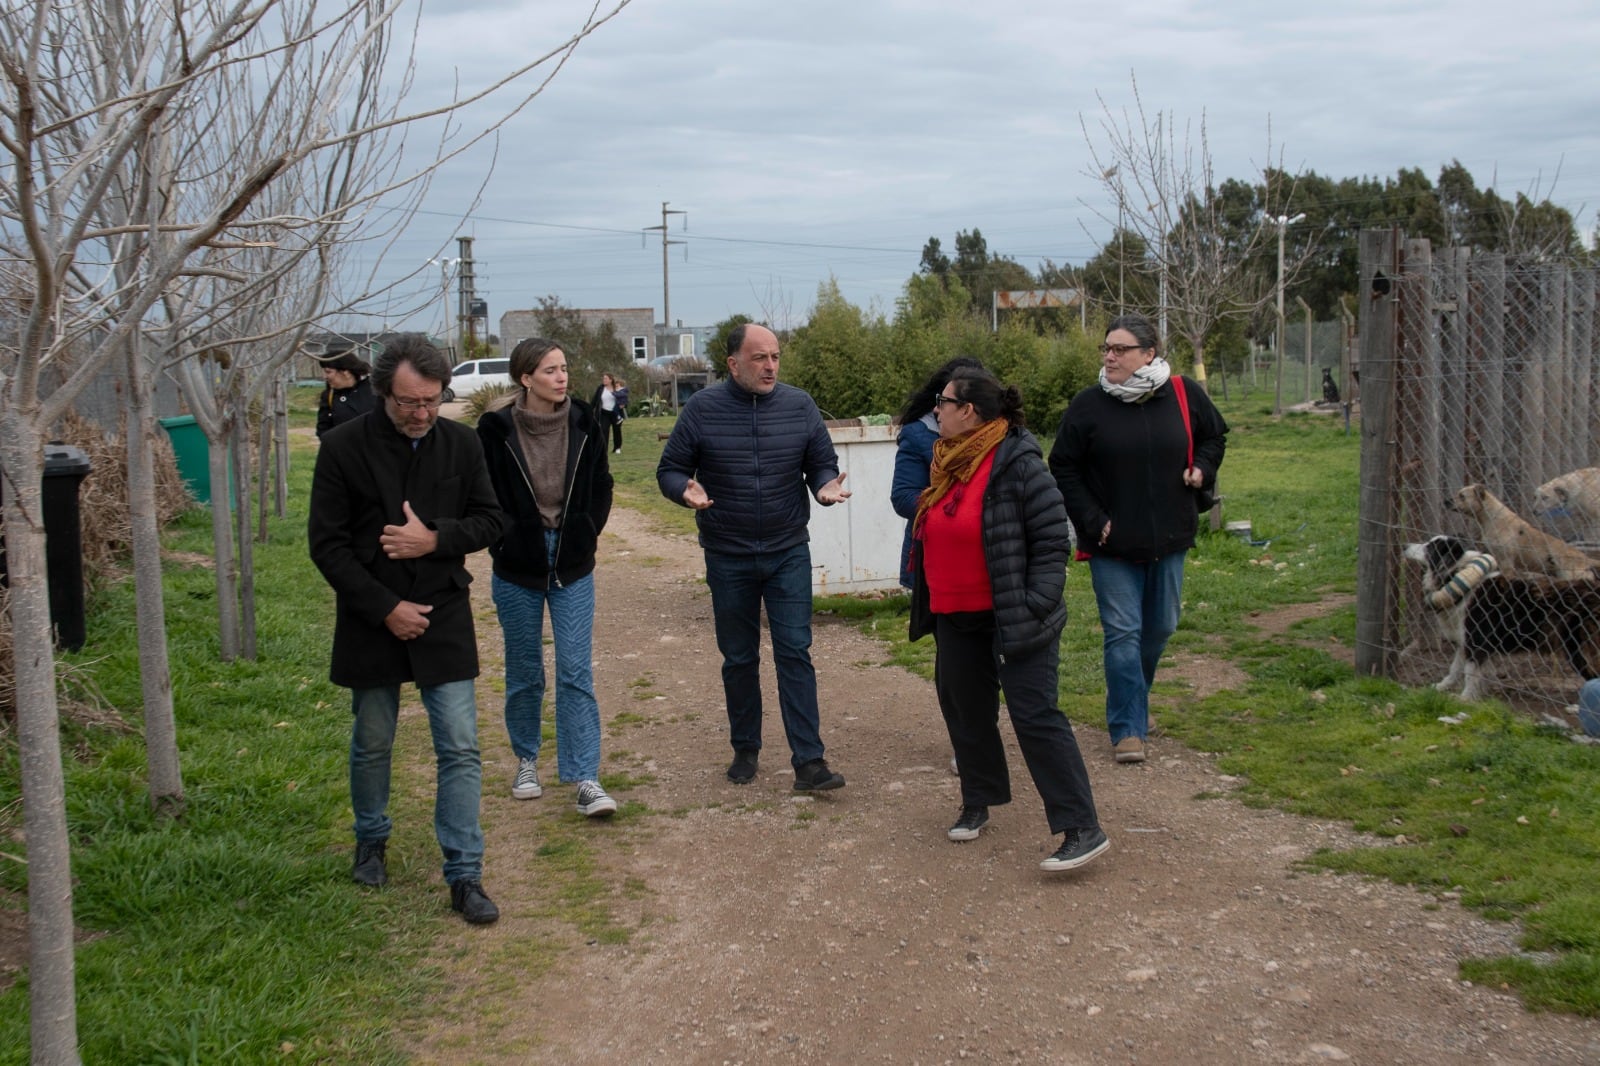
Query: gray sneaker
x=526, y=786
x=1078, y=846
x=593, y=801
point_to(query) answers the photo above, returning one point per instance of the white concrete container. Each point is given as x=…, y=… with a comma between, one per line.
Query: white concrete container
x=855, y=545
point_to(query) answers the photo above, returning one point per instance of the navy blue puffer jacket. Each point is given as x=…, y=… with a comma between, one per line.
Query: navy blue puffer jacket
x=758, y=456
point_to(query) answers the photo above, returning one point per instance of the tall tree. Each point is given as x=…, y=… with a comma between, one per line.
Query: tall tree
x=1203, y=235
x=82, y=87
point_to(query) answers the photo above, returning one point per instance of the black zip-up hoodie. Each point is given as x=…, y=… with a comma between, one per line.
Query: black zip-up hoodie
x=519, y=556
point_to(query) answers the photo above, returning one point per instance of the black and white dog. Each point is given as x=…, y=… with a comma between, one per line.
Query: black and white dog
x=1482, y=613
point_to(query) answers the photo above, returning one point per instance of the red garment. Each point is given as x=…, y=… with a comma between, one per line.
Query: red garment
x=952, y=548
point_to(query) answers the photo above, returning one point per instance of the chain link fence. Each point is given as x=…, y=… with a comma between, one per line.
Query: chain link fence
x=1478, y=377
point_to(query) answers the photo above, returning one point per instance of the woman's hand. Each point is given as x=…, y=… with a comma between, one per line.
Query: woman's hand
x=1106, y=532
x=1194, y=477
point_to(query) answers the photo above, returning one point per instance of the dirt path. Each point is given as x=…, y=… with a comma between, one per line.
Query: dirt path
x=847, y=929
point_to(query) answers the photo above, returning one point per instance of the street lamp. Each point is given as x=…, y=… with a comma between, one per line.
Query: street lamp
x=444, y=294
x=1283, y=222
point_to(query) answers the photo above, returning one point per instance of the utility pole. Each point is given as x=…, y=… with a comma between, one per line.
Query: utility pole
x=444, y=296
x=465, y=295
x=1283, y=222
x=666, y=298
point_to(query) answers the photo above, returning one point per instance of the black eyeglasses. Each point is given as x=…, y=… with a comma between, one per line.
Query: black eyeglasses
x=418, y=405
x=941, y=399
x=1120, y=350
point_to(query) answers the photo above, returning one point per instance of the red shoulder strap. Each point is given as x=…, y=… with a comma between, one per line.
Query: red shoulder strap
x=1183, y=409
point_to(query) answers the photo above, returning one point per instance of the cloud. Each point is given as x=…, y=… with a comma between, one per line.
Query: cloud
x=832, y=138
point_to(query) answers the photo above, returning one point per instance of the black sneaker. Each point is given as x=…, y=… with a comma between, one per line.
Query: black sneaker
x=370, y=868
x=468, y=897
x=743, y=768
x=815, y=776
x=966, y=828
x=1077, y=847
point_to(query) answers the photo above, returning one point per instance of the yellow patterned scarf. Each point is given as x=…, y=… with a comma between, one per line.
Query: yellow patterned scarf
x=955, y=460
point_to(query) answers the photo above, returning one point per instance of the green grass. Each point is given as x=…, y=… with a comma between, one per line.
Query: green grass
x=634, y=472
x=232, y=934
x=1498, y=812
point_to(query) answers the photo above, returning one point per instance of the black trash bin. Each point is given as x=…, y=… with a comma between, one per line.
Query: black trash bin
x=65, y=467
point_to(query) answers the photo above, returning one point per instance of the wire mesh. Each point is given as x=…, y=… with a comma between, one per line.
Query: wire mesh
x=1484, y=370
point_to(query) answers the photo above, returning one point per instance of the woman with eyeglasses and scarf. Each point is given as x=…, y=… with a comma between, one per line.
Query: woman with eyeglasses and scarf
x=1122, y=460
x=989, y=566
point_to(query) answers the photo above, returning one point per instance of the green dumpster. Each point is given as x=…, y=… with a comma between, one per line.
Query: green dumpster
x=190, y=449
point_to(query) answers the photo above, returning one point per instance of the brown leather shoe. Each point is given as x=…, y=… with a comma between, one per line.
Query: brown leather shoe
x=1129, y=749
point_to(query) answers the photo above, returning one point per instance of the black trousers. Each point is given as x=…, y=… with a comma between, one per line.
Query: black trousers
x=616, y=431
x=969, y=674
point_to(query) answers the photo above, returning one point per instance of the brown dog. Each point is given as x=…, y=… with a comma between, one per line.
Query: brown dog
x=1517, y=545
x=1577, y=492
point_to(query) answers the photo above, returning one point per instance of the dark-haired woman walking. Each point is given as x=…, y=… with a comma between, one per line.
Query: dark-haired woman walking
x=990, y=565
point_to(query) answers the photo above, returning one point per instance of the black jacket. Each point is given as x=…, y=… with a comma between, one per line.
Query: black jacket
x=338, y=406
x=1123, y=462
x=365, y=470
x=519, y=556
x=1026, y=545
x=757, y=455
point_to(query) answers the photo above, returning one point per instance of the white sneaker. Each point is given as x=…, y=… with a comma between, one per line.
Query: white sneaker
x=526, y=786
x=593, y=801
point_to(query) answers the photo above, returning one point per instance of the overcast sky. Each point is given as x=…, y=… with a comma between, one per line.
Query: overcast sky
x=834, y=137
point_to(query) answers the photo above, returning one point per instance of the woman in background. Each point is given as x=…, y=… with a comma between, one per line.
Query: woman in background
x=1121, y=460
x=990, y=565
x=611, y=405
x=546, y=453
x=347, y=393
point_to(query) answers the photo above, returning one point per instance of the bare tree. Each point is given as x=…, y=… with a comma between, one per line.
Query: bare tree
x=104, y=211
x=1204, y=240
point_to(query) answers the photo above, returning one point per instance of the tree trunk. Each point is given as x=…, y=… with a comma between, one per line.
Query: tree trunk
x=280, y=423
x=1198, y=344
x=240, y=453
x=155, y=675
x=222, y=539
x=51, y=975
x=263, y=471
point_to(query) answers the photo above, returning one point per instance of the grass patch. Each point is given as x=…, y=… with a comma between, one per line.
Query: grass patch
x=232, y=934
x=1498, y=811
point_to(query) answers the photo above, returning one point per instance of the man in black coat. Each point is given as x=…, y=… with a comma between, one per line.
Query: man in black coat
x=398, y=499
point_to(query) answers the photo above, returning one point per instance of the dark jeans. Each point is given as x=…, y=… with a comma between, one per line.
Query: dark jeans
x=740, y=584
x=969, y=674
x=616, y=430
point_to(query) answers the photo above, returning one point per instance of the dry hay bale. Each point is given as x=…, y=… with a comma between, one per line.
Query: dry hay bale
x=103, y=511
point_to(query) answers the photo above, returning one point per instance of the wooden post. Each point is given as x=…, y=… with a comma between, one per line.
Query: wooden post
x=1376, y=554
x=1450, y=315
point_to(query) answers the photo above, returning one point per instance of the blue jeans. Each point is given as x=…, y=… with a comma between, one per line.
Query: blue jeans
x=740, y=584
x=453, y=720
x=1138, y=610
x=521, y=612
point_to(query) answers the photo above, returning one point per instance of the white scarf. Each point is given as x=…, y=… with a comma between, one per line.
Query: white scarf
x=1141, y=384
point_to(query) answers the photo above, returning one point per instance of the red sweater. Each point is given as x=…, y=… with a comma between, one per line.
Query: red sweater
x=952, y=549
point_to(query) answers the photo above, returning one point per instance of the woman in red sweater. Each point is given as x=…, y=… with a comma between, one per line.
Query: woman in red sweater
x=992, y=548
